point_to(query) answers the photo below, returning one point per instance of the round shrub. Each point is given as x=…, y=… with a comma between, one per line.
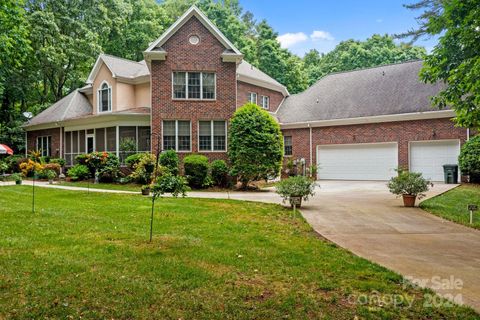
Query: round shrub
x=133, y=159
x=219, y=173
x=196, y=170
x=169, y=160
x=144, y=170
x=78, y=172
x=469, y=159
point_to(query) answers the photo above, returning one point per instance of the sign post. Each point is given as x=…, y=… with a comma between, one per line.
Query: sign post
x=471, y=208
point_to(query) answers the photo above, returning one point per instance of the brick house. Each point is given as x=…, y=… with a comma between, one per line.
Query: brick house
x=354, y=125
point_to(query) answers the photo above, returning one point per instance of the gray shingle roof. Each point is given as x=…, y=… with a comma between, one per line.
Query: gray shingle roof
x=246, y=69
x=71, y=106
x=384, y=90
x=125, y=68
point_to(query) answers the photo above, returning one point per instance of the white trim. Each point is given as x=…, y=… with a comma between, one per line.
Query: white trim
x=96, y=69
x=110, y=96
x=262, y=97
x=212, y=136
x=250, y=94
x=373, y=119
x=176, y=135
x=201, y=86
x=193, y=11
x=263, y=84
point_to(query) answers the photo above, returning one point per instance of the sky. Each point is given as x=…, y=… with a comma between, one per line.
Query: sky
x=306, y=24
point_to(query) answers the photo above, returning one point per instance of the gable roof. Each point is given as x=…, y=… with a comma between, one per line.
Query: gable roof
x=73, y=105
x=193, y=11
x=380, y=91
x=119, y=67
x=248, y=73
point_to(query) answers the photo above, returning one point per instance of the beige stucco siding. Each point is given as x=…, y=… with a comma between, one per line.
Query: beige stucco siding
x=104, y=75
x=142, y=95
x=125, y=97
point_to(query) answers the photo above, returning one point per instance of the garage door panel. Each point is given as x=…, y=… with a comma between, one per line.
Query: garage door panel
x=428, y=157
x=376, y=161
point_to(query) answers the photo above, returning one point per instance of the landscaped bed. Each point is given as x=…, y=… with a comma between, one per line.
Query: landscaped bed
x=452, y=205
x=87, y=255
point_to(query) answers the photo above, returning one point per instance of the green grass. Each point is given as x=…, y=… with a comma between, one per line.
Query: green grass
x=452, y=205
x=87, y=255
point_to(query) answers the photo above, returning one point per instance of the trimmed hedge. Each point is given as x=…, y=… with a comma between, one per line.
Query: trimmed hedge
x=196, y=170
x=169, y=160
x=219, y=173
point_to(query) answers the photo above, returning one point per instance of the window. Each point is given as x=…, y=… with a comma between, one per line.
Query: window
x=44, y=146
x=104, y=98
x=212, y=135
x=287, y=143
x=194, y=85
x=176, y=135
x=252, y=97
x=265, y=101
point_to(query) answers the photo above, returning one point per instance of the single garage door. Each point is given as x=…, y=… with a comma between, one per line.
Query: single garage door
x=428, y=157
x=363, y=161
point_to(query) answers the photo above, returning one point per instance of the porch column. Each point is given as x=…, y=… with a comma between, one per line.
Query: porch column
x=117, y=142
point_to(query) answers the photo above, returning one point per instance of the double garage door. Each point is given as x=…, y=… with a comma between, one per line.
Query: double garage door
x=378, y=161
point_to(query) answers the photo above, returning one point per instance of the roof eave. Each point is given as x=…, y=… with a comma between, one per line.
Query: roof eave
x=264, y=84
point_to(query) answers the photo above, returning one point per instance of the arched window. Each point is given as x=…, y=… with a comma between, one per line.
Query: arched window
x=104, y=98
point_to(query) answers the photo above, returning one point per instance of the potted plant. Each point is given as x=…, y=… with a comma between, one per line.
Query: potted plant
x=17, y=177
x=409, y=185
x=146, y=190
x=51, y=175
x=295, y=189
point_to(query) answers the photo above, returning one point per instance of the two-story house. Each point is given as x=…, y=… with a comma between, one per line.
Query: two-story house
x=355, y=125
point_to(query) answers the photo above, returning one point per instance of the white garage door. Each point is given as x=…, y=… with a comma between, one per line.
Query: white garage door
x=363, y=161
x=428, y=157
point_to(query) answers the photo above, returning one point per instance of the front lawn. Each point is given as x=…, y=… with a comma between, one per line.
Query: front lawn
x=87, y=256
x=452, y=205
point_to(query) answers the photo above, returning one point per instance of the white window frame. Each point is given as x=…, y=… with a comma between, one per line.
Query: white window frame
x=264, y=99
x=176, y=135
x=99, y=110
x=49, y=154
x=251, y=95
x=201, y=86
x=211, y=136
x=284, y=145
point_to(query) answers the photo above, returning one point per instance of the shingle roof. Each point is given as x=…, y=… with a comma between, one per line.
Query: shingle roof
x=384, y=90
x=247, y=70
x=125, y=68
x=71, y=106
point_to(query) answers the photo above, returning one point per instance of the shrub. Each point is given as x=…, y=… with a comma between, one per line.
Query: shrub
x=82, y=159
x=52, y=166
x=169, y=183
x=3, y=167
x=50, y=174
x=409, y=183
x=298, y=186
x=133, y=159
x=256, y=144
x=105, y=165
x=78, y=172
x=16, y=177
x=469, y=159
x=169, y=160
x=196, y=170
x=219, y=173
x=127, y=145
x=60, y=161
x=13, y=163
x=144, y=170
x=29, y=167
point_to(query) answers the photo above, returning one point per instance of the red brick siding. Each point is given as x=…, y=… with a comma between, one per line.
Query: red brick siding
x=54, y=133
x=401, y=132
x=244, y=88
x=182, y=56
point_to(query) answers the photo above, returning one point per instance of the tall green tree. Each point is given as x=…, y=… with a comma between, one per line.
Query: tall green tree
x=455, y=60
x=352, y=54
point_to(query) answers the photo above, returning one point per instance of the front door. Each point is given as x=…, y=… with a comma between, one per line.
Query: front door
x=90, y=143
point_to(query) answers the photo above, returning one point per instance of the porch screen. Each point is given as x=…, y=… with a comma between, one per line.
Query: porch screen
x=100, y=139
x=143, y=138
x=111, y=139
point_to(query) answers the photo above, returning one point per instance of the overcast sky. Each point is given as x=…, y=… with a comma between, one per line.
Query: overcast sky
x=306, y=24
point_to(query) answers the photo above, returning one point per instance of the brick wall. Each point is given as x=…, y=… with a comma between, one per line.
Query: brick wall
x=54, y=133
x=244, y=88
x=183, y=56
x=401, y=132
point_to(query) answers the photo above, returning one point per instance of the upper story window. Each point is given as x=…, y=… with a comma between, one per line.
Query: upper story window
x=44, y=146
x=288, y=145
x=265, y=102
x=194, y=85
x=105, y=98
x=252, y=97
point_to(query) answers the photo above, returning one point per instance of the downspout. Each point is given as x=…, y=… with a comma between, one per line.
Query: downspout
x=311, y=153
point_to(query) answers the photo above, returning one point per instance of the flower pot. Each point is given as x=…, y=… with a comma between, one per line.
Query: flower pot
x=296, y=200
x=18, y=182
x=145, y=192
x=409, y=200
x=50, y=181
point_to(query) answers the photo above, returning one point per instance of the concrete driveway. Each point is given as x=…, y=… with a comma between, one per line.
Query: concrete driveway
x=366, y=219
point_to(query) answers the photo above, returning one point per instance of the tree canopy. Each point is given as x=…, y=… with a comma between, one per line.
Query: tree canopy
x=455, y=60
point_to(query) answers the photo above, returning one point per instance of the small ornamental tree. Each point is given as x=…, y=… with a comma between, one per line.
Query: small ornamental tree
x=255, y=145
x=469, y=159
